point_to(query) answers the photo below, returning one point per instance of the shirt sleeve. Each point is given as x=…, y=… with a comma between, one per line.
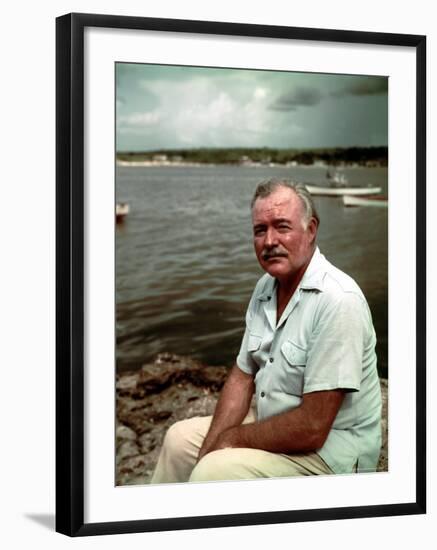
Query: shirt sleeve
x=245, y=359
x=335, y=353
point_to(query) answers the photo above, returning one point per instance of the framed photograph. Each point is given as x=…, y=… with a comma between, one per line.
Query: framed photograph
x=164, y=129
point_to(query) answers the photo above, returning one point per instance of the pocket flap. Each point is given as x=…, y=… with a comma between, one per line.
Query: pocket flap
x=253, y=342
x=294, y=354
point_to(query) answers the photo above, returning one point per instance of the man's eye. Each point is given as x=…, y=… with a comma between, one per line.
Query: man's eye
x=284, y=226
x=258, y=232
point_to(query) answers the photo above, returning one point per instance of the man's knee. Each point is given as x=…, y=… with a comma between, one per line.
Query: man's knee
x=217, y=465
x=176, y=437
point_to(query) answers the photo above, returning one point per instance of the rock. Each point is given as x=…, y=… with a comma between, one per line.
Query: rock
x=149, y=401
x=147, y=442
x=123, y=432
x=133, y=471
x=127, y=382
x=168, y=370
x=383, y=458
x=127, y=449
x=211, y=377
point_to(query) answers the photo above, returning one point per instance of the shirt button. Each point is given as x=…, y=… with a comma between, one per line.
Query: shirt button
x=263, y=394
x=271, y=359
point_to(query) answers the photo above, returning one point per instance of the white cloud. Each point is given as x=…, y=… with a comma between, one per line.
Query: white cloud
x=259, y=93
x=203, y=112
x=217, y=120
x=140, y=119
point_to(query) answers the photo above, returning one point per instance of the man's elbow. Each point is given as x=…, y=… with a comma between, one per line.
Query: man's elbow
x=318, y=434
x=319, y=439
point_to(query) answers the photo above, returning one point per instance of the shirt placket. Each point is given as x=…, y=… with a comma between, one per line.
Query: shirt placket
x=270, y=310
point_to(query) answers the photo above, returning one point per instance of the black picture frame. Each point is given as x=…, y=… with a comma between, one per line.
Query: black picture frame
x=70, y=488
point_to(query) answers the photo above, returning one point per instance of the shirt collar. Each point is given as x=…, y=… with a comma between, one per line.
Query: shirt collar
x=311, y=280
x=268, y=290
x=314, y=273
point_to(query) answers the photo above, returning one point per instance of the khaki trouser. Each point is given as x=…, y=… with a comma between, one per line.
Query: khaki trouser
x=178, y=458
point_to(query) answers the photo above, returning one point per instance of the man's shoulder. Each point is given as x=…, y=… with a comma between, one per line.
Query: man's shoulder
x=342, y=295
x=340, y=290
x=337, y=282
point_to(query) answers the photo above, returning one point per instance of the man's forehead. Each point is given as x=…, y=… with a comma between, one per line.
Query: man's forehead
x=281, y=199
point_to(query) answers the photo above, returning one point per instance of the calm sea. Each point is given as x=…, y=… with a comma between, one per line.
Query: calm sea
x=185, y=266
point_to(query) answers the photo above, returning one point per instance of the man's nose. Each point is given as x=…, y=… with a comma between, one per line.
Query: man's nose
x=271, y=237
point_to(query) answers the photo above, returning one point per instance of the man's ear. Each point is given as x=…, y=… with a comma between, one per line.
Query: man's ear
x=312, y=228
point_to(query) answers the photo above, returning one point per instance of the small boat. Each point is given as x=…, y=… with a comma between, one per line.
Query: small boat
x=121, y=211
x=380, y=201
x=339, y=191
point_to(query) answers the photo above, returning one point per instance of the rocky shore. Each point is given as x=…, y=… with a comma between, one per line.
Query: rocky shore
x=169, y=389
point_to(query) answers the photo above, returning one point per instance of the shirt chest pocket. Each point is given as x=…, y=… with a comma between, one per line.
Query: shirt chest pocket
x=293, y=360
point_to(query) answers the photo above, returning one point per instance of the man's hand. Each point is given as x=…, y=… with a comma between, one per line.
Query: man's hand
x=302, y=429
x=226, y=440
x=207, y=447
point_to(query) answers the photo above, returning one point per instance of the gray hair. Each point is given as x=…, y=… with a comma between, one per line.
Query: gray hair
x=266, y=188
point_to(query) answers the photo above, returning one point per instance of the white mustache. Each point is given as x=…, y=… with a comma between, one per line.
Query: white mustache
x=273, y=253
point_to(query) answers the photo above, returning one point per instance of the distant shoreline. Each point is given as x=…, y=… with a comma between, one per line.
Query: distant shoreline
x=161, y=163
x=182, y=164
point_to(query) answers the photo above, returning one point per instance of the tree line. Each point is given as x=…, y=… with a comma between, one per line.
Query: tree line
x=264, y=155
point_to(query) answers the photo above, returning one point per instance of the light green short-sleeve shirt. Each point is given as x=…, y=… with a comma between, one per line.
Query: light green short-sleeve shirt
x=324, y=340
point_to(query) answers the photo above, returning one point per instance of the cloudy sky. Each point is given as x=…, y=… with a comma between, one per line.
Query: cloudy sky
x=171, y=107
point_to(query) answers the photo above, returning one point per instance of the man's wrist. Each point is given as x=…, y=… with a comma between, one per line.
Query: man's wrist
x=230, y=438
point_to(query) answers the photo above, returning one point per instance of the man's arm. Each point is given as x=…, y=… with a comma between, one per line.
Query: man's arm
x=300, y=430
x=232, y=407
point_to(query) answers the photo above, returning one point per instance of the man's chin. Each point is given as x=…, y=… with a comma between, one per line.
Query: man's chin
x=275, y=268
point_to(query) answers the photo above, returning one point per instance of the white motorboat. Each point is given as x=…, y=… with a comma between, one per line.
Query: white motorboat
x=340, y=191
x=380, y=201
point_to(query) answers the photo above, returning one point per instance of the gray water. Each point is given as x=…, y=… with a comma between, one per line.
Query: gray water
x=185, y=266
